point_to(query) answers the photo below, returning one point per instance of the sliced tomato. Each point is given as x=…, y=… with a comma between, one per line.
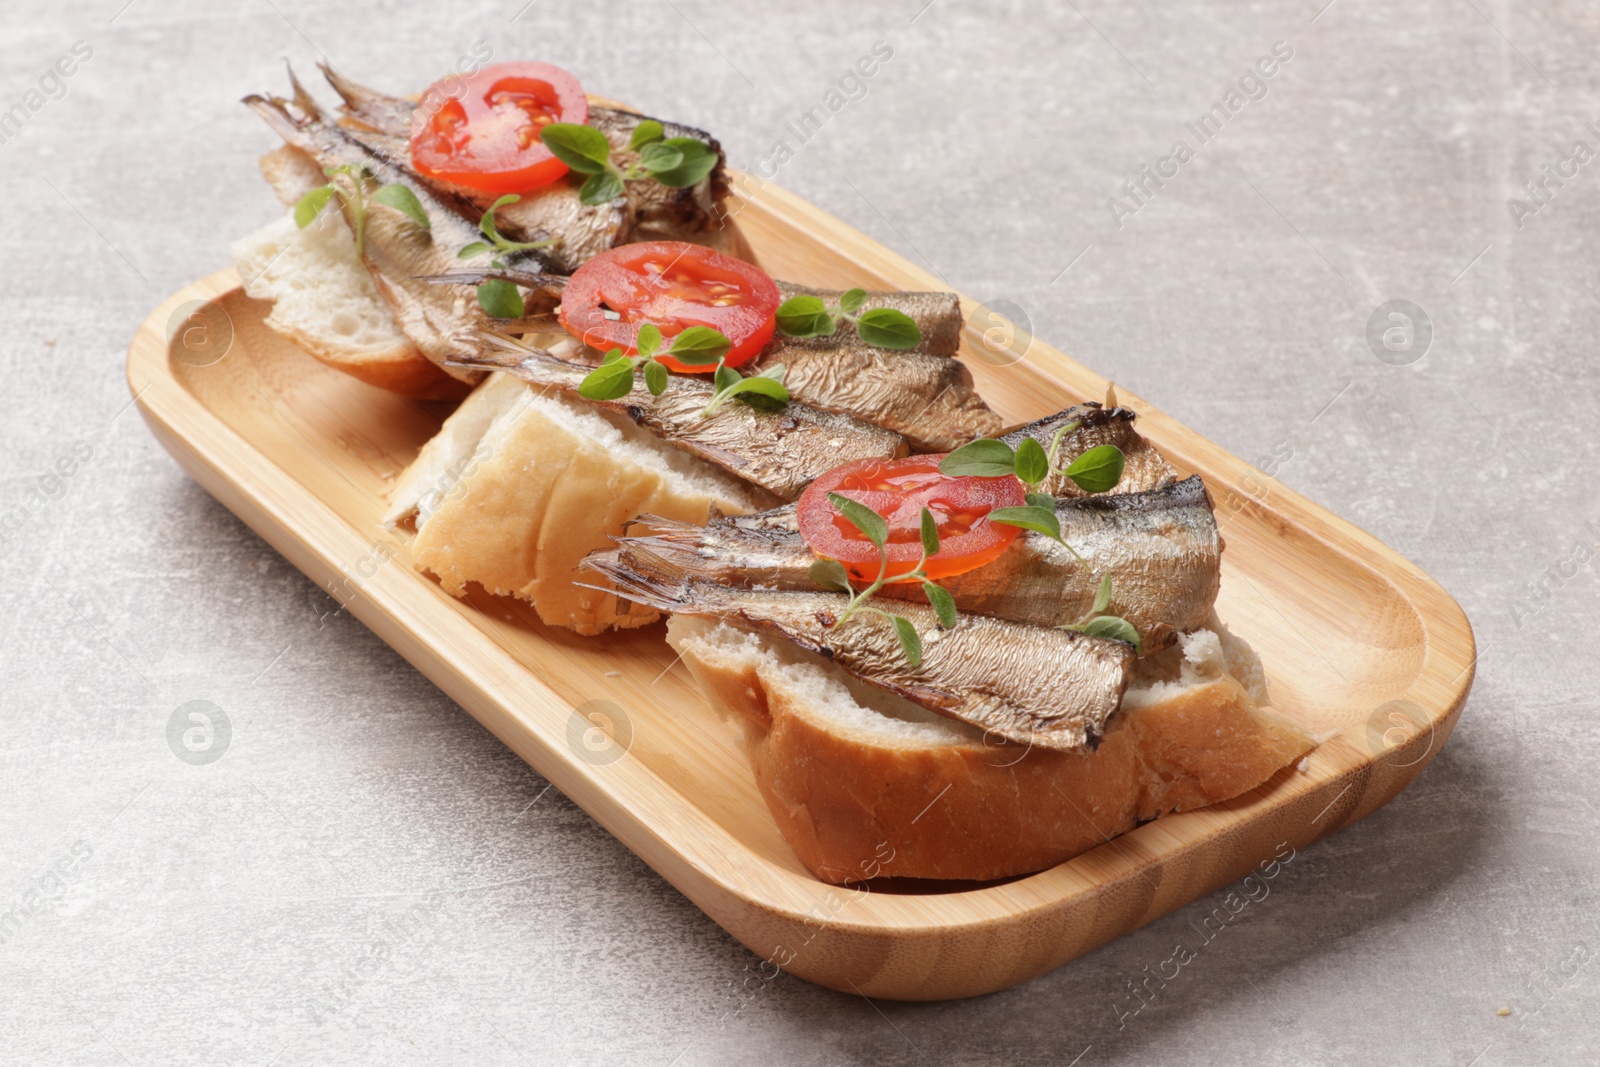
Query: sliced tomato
x=482, y=130
x=898, y=489
x=674, y=285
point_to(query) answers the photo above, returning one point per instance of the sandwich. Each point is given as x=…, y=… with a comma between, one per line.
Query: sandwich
x=956, y=649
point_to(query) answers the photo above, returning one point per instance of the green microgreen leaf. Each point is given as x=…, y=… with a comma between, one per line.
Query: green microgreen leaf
x=725, y=378
x=1032, y=465
x=930, y=533
x=983, y=458
x=599, y=188
x=1098, y=470
x=761, y=395
x=659, y=157
x=1041, y=520
x=501, y=299
x=1114, y=628
x=486, y=225
x=869, y=522
x=850, y=300
x=402, y=199
x=311, y=205
x=655, y=378
x=944, y=605
x=830, y=574
x=649, y=340
x=647, y=131
x=1041, y=500
x=888, y=328
x=1060, y=435
x=1102, y=597
x=474, y=249
x=611, y=380
x=910, y=643
x=699, y=346
x=698, y=161
x=583, y=148
x=805, y=316
x=759, y=391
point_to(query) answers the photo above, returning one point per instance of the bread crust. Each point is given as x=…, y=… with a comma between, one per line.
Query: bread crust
x=397, y=367
x=941, y=803
x=532, y=486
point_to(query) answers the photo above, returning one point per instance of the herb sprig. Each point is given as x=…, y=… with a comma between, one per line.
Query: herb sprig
x=1099, y=624
x=1096, y=470
x=697, y=346
x=498, y=297
x=672, y=161
x=831, y=574
x=764, y=391
x=349, y=183
x=808, y=316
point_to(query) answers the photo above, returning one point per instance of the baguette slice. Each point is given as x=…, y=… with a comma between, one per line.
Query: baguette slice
x=518, y=486
x=323, y=298
x=863, y=784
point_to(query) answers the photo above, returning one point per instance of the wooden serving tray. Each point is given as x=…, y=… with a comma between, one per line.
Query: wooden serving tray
x=1358, y=644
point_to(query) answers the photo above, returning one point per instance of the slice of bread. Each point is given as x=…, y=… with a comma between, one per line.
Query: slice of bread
x=864, y=784
x=324, y=299
x=518, y=486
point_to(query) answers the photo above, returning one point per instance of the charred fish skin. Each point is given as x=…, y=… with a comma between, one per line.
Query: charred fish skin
x=780, y=451
x=1161, y=549
x=659, y=212
x=1050, y=688
x=929, y=399
x=937, y=315
x=398, y=253
x=646, y=211
x=1144, y=468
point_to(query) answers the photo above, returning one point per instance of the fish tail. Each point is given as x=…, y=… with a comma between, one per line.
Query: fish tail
x=303, y=100
x=673, y=552
x=631, y=584
x=492, y=350
x=553, y=284
x=357, y=98
x=274, y=110
x=672, y=528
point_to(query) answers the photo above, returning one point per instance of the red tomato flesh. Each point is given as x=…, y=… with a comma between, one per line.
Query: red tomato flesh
x=899, y=489
x=481, y=130
x=674, y=285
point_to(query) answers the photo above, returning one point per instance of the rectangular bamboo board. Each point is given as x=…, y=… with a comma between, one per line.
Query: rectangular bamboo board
x=1359, y=645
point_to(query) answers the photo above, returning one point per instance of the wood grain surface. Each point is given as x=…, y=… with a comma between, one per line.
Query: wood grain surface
x=1359, y=645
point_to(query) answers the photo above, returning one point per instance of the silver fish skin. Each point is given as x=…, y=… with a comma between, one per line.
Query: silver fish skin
x=398, y=251
x=780, y=451
x=1144, y=468
x=646, y=211
x=937, y=315
x=1161, y=549
x=579, y=231
x=1032, y=686
x=929, y=399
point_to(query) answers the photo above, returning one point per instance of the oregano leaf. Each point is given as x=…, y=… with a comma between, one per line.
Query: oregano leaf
x=944, y=605
x=910, y=643
x=1097, y=470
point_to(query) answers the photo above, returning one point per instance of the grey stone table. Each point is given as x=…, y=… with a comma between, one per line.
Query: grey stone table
x=282, y=904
